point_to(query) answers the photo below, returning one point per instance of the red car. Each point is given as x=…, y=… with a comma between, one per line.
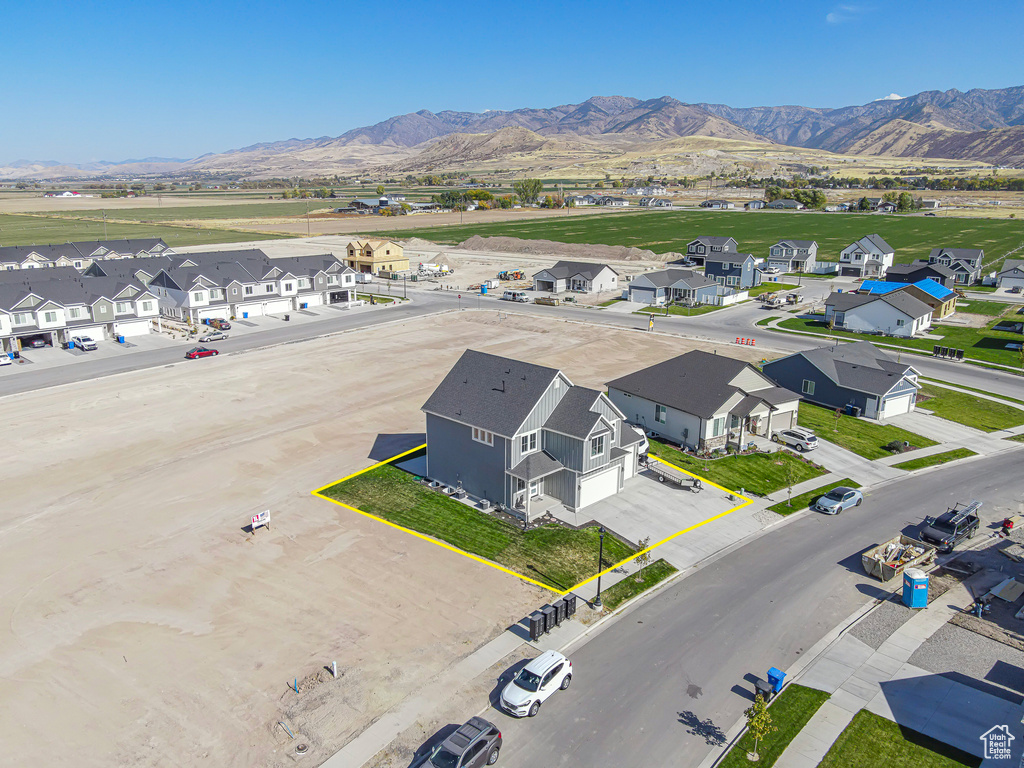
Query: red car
x=197, y=352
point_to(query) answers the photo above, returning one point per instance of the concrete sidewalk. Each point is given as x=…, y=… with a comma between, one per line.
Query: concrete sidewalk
x=882, y=682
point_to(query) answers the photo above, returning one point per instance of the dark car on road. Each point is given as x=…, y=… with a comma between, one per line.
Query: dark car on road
x=952, y=527
x=197, y=352
x=476, y=743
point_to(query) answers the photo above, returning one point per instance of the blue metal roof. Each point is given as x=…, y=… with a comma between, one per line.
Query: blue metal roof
x=931, y=287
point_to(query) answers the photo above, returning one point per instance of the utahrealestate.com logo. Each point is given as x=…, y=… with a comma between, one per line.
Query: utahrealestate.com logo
x=997, y=742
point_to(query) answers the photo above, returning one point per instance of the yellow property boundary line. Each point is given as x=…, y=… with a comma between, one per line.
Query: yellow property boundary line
x=319, y=493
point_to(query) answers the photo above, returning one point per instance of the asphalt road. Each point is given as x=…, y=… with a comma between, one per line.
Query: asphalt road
x=665, y=681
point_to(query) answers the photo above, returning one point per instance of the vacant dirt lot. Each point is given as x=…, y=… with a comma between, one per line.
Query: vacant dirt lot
x=143, y=626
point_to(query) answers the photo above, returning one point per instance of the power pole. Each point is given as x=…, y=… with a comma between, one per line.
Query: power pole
x=307, y=217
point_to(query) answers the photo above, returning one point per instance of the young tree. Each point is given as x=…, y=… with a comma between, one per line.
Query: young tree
x=759, y=723
x=643, y=559
x=528, y=190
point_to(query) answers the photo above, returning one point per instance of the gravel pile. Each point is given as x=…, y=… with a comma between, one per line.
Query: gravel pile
x=766, y=517
x=971, y=659
x=882, y=622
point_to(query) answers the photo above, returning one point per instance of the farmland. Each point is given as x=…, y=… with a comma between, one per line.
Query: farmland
x=912, y=236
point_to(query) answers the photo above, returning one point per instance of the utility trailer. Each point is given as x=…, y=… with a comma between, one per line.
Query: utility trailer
x=890, y=559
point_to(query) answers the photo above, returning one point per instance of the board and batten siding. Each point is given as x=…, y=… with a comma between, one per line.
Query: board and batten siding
x=791, y=373
x=541, y=411
x=453, y=456
x=562, y=485
x=679, y=427
x=567, y=450
x=591, y=463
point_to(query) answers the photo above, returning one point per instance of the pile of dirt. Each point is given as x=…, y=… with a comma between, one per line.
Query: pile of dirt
x=588, y=251
x=418, y=244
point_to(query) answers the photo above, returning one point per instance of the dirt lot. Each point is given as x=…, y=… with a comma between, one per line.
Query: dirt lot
x=143, y=624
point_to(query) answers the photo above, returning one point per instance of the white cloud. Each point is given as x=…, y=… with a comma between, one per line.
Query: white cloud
x=843, y=13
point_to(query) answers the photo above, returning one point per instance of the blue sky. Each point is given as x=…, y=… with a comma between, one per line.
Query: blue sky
x=89, y=80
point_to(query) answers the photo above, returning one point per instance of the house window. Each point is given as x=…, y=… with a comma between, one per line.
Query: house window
x=22, y=318
x=732, y=280
x=248, y=290
x=597, y=446
x=808, y=387
x=303, y=282
x=123, y=306
x=660, y=414
x=332, y=279
x=147, y=306
x=726, y=266
x=483, y=436
x=74, y=313
x=197, y=296
x=289, y=286
x=520, y=484
x=718, y=427
x=50, y=317
x=900, y=322
x=528, y=443
x=268, y=288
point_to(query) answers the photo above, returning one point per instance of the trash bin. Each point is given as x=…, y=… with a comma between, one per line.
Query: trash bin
x=120, y=339
x=570, y=606
x=71, y=345
x=287, y=318
x=536, y=620
x=775, y=679
x=245, y=315
x=560, y=607
x=550, y=617
x=915, y=588
x=763, y=689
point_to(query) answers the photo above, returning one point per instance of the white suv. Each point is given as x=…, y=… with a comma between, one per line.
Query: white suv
x=798, y=437
x=548, y=673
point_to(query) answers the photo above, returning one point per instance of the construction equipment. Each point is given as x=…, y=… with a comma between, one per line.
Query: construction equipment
x=512, y=274
x=771, y=299
x=793, y=298
x=890, y=559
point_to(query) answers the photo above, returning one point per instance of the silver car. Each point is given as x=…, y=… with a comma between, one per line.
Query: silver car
x=797, y=437
x=838, y=499
x=212, y=336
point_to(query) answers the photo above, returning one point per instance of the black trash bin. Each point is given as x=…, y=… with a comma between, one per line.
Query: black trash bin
x=287, y=318
x=536, y=620
x=570, y=606
x=550, y=617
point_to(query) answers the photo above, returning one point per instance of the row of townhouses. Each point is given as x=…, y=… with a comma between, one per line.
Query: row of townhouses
x=79, y=255
x=125, y=297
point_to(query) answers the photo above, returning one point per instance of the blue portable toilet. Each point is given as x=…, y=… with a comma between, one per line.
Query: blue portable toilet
x=915, y=588
x=775, y=679
x=483, y=288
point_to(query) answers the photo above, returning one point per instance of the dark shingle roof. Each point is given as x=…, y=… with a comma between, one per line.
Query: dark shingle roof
x=859, y=366
x=572, y=416
x=565, y=269
x=877, y=241
x=721, y=257
x=968, y=254
x=535, y=465
x=910, y=269
x=713, y=240
x=844, y=301
x=697, y=382
x=490, y=392
x=663, y=278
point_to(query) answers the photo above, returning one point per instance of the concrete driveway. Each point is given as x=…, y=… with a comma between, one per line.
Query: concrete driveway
x=647, y=508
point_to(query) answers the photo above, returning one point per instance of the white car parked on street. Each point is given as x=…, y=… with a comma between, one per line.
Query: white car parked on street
x=798, y=437
x=548, y=673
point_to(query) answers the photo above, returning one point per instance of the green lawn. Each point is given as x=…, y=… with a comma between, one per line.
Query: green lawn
x=380, y=299
x=770, y=288
x=765, y=320
x=757, y=473
x=991, y=308
x=863, y=437
x=18, y=229
x=913, y=237
x=1015, y=438
x=790, y=711
x=979, y=391
x=552, y=554
x=935, y=459
x=609, y=302
x=978, y=343
x=629, y=587
x=804, y=500
x=871, y=741
x=969, y=410
x=701, y=309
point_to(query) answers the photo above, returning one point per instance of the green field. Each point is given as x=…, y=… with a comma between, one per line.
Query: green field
x=870, y=741
x=912, y=236
x=981, y=344
x=255, y=210
x=935, y=459
x=17, y=229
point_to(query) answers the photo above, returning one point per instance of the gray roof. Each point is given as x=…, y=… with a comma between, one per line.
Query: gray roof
x=490, y=392
x=79, y=249
x=727, y=256
x=663, y=278
x=536, y=465
x=844, y=301
x=1011, y=264
x=65, y=291
x=798, y=243
x=917, y=266
x=860, y=366
x=713, y=240
x=901, y=300
x=697, y=382
x=566, y=269
x=968, y=254
x=877, y=241
x=572, y=416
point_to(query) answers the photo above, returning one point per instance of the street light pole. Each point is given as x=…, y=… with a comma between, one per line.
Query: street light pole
x=600, y=560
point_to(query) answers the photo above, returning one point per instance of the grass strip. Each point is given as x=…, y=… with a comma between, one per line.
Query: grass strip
x=870, y=741
x=804, y=500
x=1007, y=398
x=765, y=320
x=971, y=411
x=629, y=587
x=1015, y=438
x=703, y=309
x=934, y=459
x=770, y=288
x=790, y=711
x=863, y=437
x=757, y=473
x=552, y=554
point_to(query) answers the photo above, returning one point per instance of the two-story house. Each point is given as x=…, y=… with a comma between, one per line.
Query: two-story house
x=965, y=263
x=733, y=270
x=697, y=250
x=699, y=399
x=376, y=256
x=524, y=436
x=870, y=256
x=793, y=255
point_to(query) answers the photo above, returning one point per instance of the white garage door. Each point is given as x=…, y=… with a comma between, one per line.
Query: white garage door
x=894, y=406
x=313, y=300
x=641, y=295
x=94, y=332
x=250, y=310
x=277, y=306
x=132, y=328
x=221, y=312
x=599, y=486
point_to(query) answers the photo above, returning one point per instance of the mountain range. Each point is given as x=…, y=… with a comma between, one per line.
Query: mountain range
x=977, y=125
